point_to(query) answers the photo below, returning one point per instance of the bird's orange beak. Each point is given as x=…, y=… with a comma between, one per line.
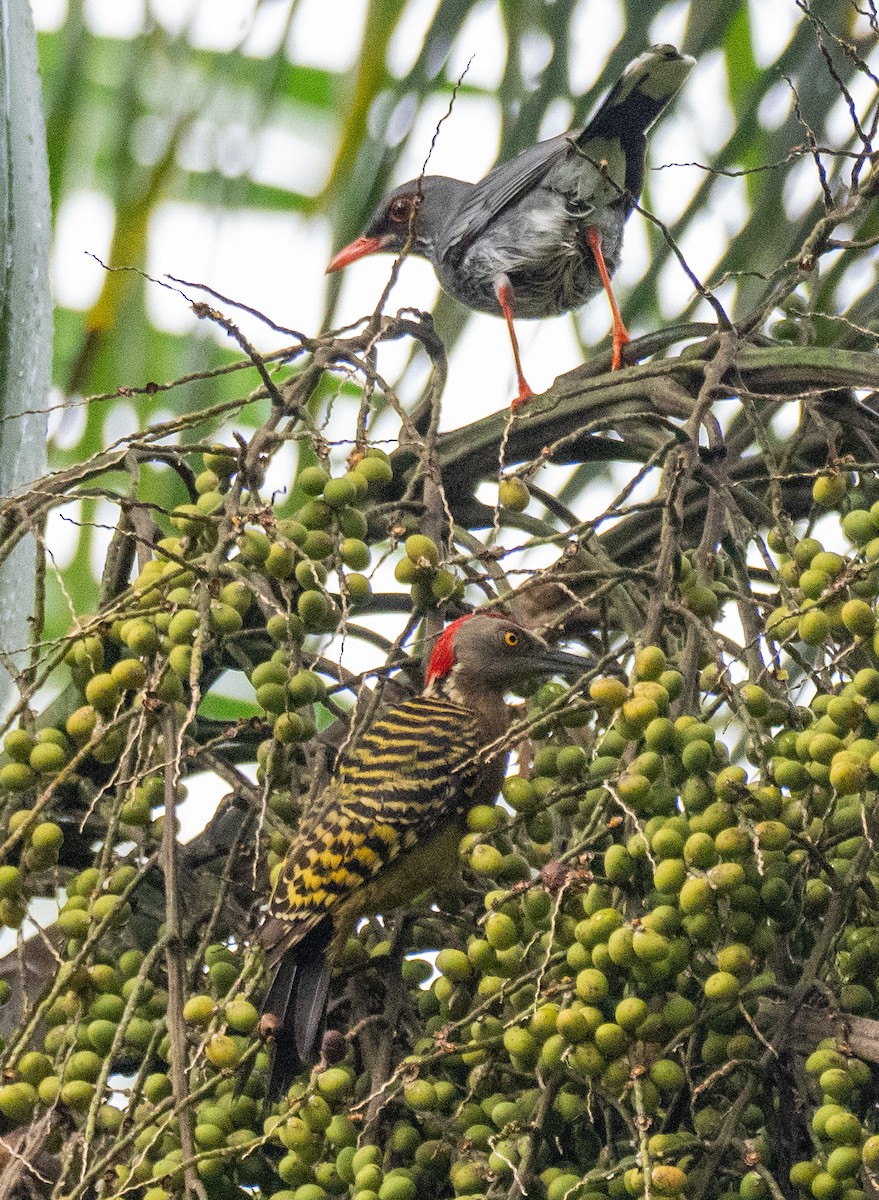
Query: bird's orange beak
x=357, y=249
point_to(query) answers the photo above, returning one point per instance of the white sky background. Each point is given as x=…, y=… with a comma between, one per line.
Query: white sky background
x=254, y=255
x=275, y=261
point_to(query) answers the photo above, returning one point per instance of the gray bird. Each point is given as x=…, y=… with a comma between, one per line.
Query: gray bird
x=542, y=233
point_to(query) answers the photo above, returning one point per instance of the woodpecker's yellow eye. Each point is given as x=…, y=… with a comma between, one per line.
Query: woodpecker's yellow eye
x=512, y=639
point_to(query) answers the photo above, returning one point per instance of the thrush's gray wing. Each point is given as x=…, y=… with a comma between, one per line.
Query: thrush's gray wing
x=497, y=191
x=614, y=136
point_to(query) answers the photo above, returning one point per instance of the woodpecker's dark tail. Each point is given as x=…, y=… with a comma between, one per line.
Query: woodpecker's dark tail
x=633, y=104
x=294, y=1007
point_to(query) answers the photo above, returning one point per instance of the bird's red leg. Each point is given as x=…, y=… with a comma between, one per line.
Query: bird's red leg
x=620, y=333
x=503, y=289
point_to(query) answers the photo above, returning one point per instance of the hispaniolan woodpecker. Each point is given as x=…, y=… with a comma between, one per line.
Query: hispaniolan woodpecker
x=388, y=823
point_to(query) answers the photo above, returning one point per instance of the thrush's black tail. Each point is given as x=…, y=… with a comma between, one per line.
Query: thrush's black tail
x=633, y=104
x=297, y=999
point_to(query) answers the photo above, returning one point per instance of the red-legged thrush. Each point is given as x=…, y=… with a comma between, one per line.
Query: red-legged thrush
x=542, y=233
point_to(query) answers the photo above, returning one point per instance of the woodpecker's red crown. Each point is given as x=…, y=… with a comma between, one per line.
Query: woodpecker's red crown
x=443, y=658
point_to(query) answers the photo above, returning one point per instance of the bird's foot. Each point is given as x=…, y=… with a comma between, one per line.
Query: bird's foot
x=620, y=339
x=525, y=394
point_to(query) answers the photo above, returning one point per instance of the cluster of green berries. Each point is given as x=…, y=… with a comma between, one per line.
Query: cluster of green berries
x=843, y=1147
x=420, y=570
x=617, y=941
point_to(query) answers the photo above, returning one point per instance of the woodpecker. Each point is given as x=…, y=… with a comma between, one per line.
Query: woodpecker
x=391, y=817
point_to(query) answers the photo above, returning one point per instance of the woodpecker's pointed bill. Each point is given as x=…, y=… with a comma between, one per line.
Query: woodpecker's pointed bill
x=388, y=824
x=542, y=233
x=563, y=663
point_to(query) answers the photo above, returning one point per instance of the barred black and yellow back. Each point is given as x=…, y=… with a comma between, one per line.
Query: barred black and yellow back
x=411, y=774
x=414, y=768
x=386, y=826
